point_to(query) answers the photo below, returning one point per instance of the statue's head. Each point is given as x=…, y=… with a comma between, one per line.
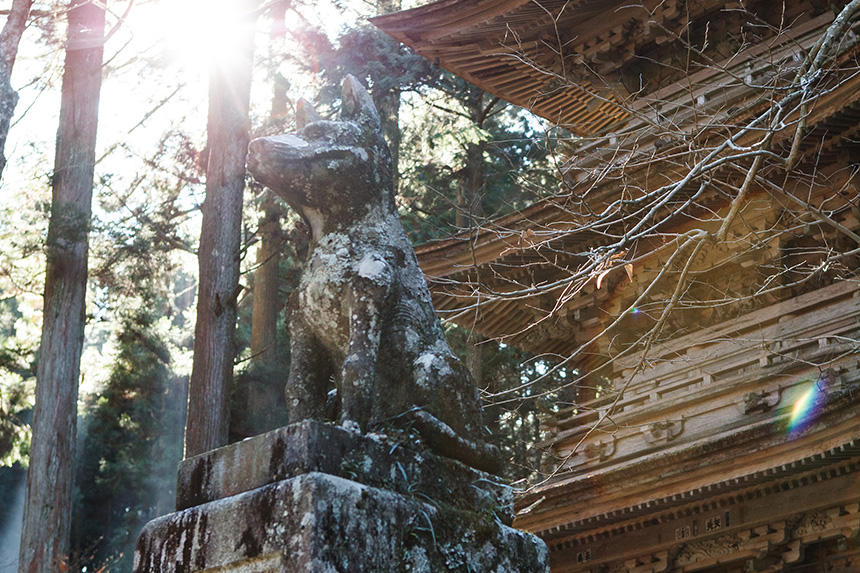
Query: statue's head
x=328, y=168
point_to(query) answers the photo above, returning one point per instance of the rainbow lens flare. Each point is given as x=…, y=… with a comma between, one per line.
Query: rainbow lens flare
x=804, y=408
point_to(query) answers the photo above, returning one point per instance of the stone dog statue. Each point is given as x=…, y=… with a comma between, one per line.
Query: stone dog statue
x=364, y=315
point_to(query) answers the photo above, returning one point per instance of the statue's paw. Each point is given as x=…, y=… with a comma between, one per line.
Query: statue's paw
x=351, y=426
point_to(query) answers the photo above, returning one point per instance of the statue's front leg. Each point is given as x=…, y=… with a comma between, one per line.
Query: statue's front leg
x=310, y=372
x=358, y=375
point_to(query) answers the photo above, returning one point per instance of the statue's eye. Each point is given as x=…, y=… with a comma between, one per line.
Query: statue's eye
x=336, y=132
x=337, y=153
x=316, y=130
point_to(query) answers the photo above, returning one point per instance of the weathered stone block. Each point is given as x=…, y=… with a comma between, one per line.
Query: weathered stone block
x=311, y=446
x=314, y=497
x=320, y=522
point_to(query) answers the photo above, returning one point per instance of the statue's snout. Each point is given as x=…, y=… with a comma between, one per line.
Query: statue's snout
x=256, y=146
x=256, y=152
x=286, y=143
x=265, y=150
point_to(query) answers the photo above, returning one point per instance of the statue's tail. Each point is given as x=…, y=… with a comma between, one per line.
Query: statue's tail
x=444, y=440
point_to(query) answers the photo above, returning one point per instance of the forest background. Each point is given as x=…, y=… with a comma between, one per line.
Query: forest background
x=463, y=157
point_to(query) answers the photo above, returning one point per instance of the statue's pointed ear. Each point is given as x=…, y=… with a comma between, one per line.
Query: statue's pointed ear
x=357, y=103
x=305, y=114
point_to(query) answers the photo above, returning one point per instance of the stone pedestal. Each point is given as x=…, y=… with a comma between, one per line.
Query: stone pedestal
x=317, y=498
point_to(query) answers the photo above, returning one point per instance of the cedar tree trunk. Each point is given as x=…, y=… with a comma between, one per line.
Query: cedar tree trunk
x=387, y=103
x=218, y=256
x=47, y=510
x=473, y=175
x=267, y=303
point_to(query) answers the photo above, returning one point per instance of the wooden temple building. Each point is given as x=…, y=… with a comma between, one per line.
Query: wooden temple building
x=721, y=434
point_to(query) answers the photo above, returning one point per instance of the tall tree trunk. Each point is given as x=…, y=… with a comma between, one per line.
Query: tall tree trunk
x=469, y=211
x=387, y=101
x=267, y=303
x=218, y=256
x=47, y=510
x=475, y=357
x=264, y=317
x=9, y=39
x=471, y=191
x=474, y=173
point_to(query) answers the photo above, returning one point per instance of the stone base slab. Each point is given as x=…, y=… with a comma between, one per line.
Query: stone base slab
x=315, y=497
x=309, y=446
x=323, y=523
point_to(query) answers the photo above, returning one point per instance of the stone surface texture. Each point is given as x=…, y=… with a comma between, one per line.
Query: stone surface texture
x=318, y=498
x=362, y=314
x=375, y=460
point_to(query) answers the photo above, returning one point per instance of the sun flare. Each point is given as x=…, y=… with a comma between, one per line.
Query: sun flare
x=194, y=34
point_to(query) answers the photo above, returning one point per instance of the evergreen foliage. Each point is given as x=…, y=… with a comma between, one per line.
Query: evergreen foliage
x=435, y=150
x=514, y=424
x=434, y=138
x=131, y=446
x=131, y=428
x=17, y=375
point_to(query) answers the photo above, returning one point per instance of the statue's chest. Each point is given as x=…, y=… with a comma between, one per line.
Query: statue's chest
x=324, y=290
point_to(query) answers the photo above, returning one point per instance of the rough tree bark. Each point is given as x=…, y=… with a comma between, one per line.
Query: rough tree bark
x=218, y=256
x=472, y=184
x=471, y=189
x=264, y=317
x=47, y=510
x=474, y=173
x=267, y=303
x=387, y=101
x=9, y=39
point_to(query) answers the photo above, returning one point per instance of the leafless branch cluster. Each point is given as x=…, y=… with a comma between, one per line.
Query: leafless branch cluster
x=730, y=186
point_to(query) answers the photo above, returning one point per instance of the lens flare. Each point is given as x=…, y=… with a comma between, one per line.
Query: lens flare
x=195, y=34
x=803, y=410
